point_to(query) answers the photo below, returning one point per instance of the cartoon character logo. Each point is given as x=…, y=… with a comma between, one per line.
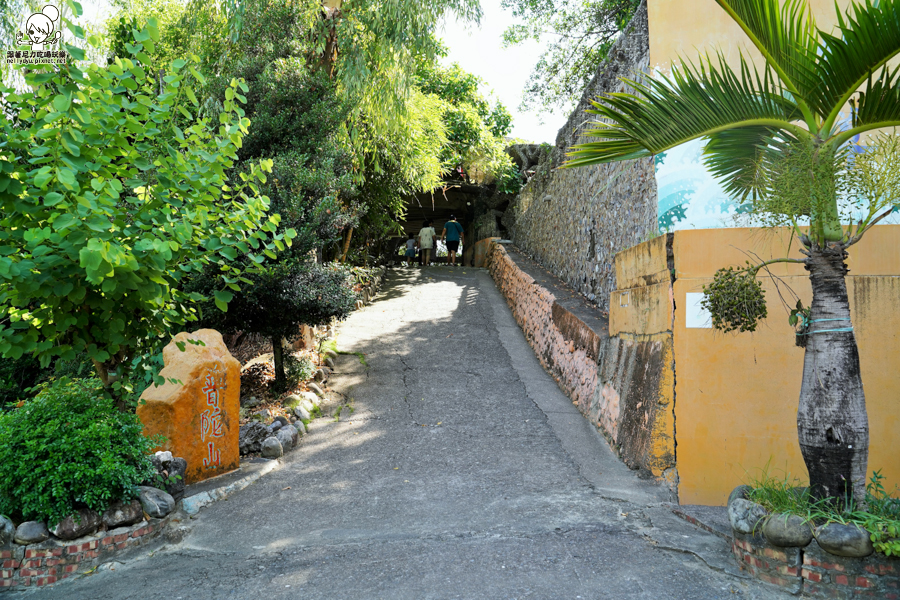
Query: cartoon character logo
x=39, y=28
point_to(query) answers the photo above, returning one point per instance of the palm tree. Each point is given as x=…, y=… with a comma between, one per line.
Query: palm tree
x=784, y=122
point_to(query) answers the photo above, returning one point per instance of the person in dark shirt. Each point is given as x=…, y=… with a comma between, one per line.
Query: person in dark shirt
x=453, y=234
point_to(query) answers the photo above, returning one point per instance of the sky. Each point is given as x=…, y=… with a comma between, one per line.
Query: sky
x=478, y=50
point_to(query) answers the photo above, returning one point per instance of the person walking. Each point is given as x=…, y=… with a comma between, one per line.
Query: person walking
x=453, y=234
x=426, y=242
x=410, y=250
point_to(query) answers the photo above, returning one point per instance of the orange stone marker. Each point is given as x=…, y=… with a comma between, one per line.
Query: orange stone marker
x=198, y=416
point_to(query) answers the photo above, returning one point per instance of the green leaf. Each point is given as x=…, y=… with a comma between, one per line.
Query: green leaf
x=223, y=297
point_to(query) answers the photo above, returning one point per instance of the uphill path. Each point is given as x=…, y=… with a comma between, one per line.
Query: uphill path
x=456, y=469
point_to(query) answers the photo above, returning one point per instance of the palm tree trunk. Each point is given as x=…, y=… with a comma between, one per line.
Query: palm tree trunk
x=346, y=245
x=831, y=420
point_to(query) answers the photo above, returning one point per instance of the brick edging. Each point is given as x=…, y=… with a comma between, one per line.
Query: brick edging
x=47, y=562
x=814, y=572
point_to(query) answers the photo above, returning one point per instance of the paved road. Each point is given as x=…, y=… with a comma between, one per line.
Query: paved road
x=461, y=472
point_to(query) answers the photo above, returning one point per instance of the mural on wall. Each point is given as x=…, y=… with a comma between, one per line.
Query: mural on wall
x=691, y=198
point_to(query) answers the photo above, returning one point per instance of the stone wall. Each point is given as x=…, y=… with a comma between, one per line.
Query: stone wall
x=622, y=383
x=574, y=221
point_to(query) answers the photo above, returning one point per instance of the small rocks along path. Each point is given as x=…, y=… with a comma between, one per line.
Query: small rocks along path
x=457, y=469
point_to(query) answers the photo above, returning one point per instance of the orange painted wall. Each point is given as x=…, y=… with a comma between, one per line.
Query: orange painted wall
x=736, y=394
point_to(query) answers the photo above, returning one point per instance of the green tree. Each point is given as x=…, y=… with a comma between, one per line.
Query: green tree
x=581, y=32
x=776, y=136
x=112, y=192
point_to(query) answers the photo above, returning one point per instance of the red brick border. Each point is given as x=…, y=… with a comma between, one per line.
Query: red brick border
x=816, y=573
x=54, y=560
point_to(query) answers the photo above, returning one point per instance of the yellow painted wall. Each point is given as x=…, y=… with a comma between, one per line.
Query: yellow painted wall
x=736, y=394
x=685, y=28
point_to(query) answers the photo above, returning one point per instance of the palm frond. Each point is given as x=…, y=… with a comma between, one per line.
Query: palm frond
x=695, y=102
x=785, y=35
x=879, y=105
x=870, y=37
x=734, y=157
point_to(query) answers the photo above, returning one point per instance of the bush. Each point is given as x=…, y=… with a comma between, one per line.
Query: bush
x=70, y=448
x=299, y=369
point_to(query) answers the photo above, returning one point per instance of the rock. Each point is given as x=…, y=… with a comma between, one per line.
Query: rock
x=302, y=413
x=83, y=522
x=745, y=515
x=286, y=439
x=7, y=532
x=198, y=415
x=845, y=540
x=175, y=482
x=155, y=502
x=264, y=414
x=272, y=448
x=320, y=375
x=164, y=457
x=275, y=426
x=250, y=402
x=740, y=491
x=291, y=401
x=121, y=513
x=295, y=435
x=331, y=354
x=787, y=531
x=315, y=389
x=309, y=397
x=251, y=437
x=330, y=362
x=31, y=532
x=282, y=420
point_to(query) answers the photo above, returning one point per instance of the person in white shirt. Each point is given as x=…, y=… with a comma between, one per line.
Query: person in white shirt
x=426, y=242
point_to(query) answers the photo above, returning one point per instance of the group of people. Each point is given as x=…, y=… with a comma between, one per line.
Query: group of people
x=424, y=242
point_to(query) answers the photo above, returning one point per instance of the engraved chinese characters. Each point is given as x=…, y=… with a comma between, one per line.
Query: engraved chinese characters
x=198, y=414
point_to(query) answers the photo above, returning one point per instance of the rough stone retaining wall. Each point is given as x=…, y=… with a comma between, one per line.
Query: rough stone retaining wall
x=814, y=572
x=574, y=221
x=50, y=561
x=623, y=384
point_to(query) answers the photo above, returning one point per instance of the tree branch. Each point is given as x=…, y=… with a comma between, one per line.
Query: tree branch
x=874, y=221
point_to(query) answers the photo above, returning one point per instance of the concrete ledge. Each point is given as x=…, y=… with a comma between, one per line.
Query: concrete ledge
x=219, y=488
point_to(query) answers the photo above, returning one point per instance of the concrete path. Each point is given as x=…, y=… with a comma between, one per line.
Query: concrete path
x=462, y=471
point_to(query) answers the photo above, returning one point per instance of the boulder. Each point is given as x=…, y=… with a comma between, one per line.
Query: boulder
x=745, y=515
x=295, y=435
x=155, y=501
x=282, y=420
x=286, y=439
x=320, y=375
x=845, y=540
x=198, y=415
x=275, y=426
x=272, y=448
x=164, y=457
x=263, y=415
x=787, y=531
x=31, y=532
x=740, y=491
x=121, y=513
x=315, y=389
x=309, y=397
x=331, y=354
x=330, y=362
x=82, y=522
x=252, y=436
x=7, y=532
x=302, y=413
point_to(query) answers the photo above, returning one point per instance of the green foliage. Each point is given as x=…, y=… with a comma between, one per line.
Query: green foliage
x=111, y=193
x=70, y=448
x=299, y=369
x=17, y=377
x=581, y=33
x=509, y=181
x=786, y=495
x=735, y=299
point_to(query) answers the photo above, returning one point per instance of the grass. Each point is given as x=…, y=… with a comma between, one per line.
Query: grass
x=880, y=515
x=332, y=345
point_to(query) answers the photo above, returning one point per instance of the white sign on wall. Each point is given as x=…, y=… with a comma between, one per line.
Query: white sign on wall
x=695, y=316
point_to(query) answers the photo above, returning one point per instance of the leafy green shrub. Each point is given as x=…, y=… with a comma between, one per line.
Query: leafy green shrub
x=299, y=369
x=70, y=448
x=16, y=376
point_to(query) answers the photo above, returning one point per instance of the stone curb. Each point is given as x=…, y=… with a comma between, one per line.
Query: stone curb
x=192, y=505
